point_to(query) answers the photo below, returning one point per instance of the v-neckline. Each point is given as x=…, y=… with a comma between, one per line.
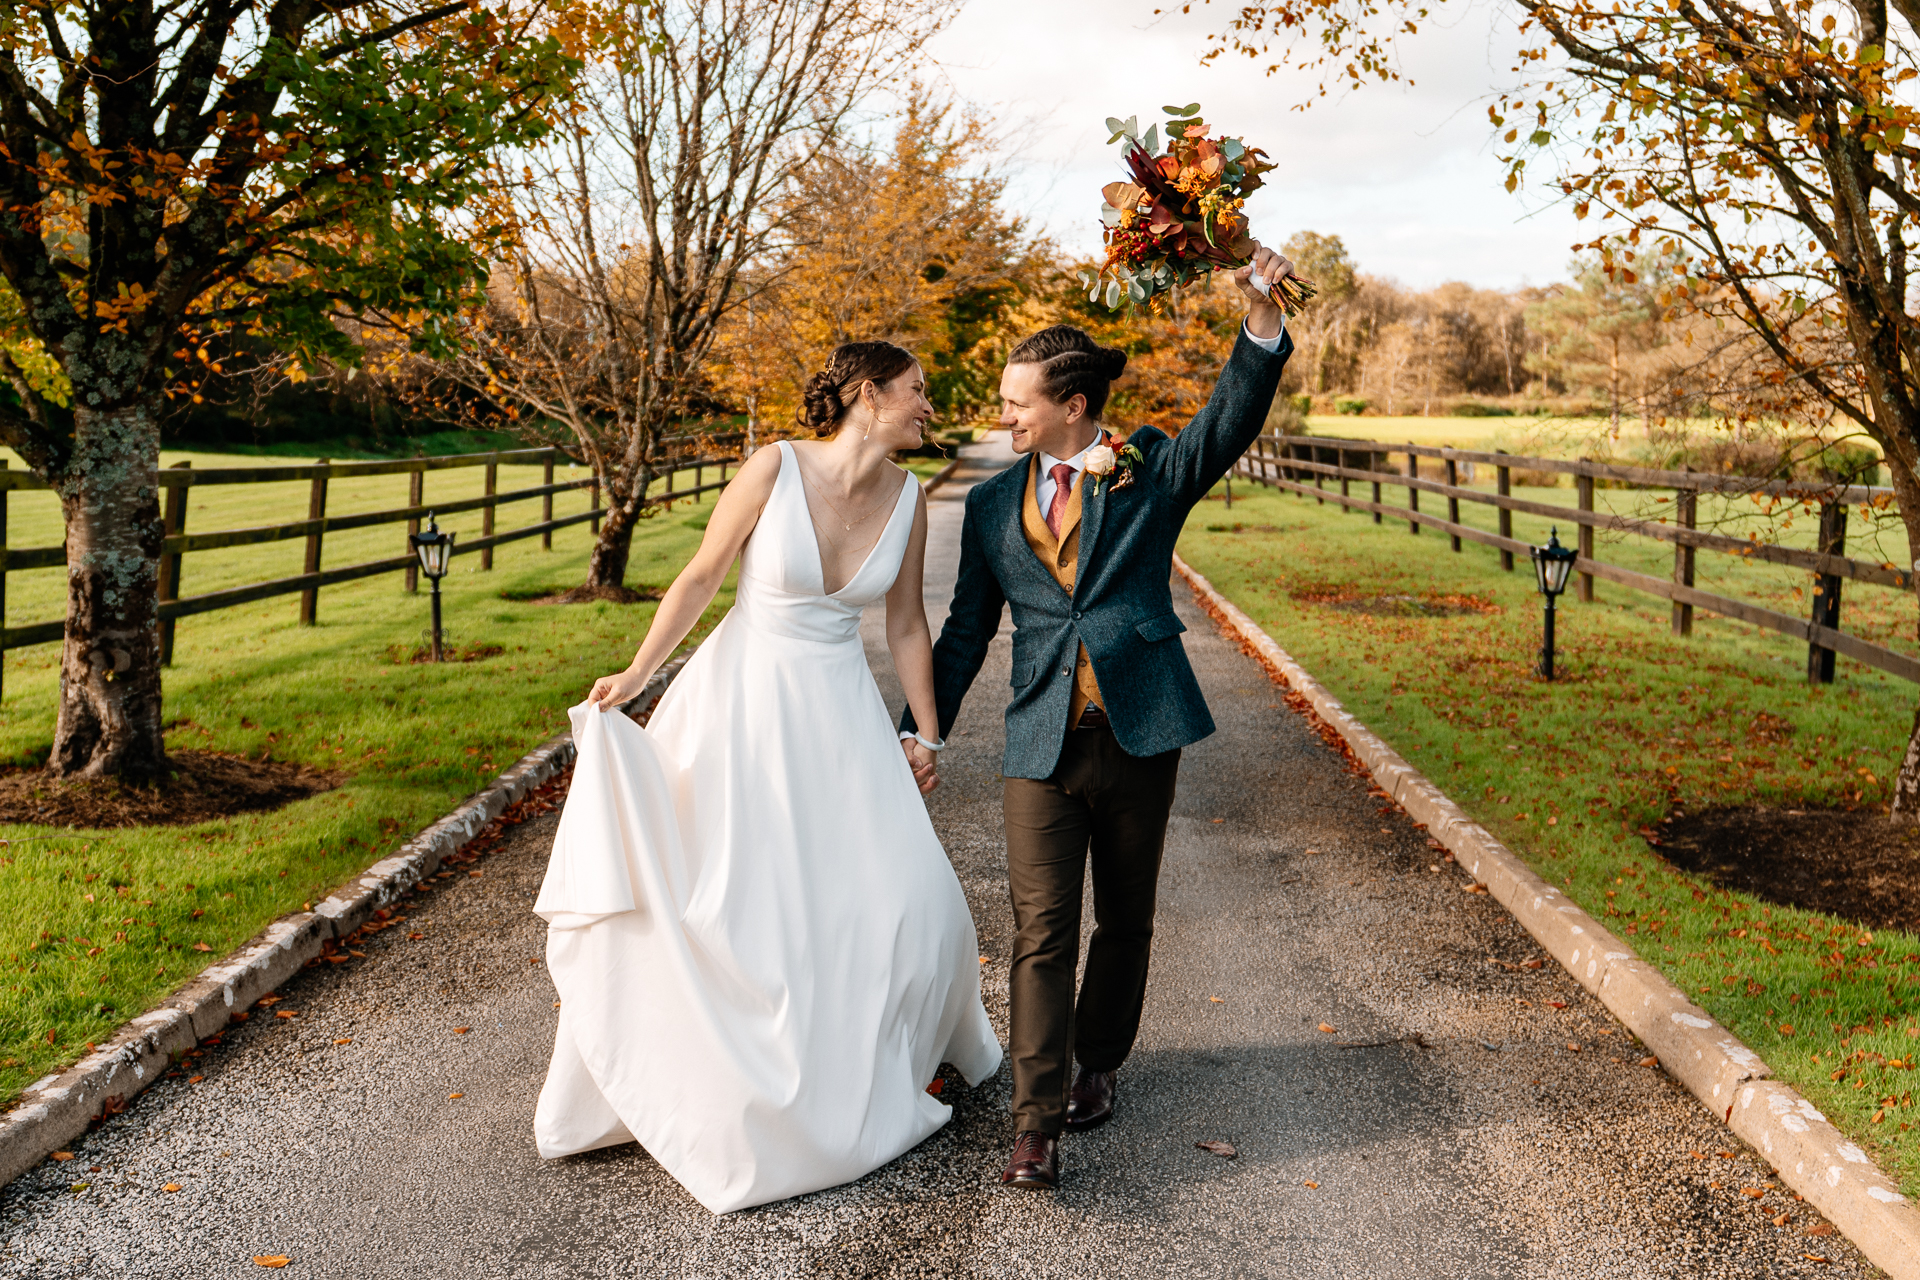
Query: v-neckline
x=819, y=556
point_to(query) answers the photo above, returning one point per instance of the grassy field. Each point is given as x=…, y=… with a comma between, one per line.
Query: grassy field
x=96, y=926
x=1641, y=722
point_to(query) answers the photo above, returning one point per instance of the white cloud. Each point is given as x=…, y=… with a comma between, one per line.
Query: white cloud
x=1406, y=175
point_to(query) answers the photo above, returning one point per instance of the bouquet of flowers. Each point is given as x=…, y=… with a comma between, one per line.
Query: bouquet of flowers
x=1179, y=218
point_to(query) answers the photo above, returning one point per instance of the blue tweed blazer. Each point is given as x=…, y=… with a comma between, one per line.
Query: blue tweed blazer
x=1121, y=607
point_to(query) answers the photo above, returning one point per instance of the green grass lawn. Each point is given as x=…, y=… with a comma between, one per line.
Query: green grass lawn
x=1568, y=773
x=97, y=926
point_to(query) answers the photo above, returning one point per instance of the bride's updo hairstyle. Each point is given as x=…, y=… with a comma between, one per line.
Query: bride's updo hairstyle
x=1072, y=364
x=832, y=391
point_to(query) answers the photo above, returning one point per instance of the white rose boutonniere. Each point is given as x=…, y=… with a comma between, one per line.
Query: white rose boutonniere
x=1104, y=462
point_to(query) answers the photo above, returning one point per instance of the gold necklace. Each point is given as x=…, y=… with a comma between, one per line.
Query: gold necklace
x=839, y=514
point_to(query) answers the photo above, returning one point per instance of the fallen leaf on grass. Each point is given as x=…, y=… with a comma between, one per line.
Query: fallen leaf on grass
x=201, y=946
x=271, y=1259
x=1225, y=1150
x=460, y=1031
x=171, y=1186
x=1324, y=1027
x=63, y=1155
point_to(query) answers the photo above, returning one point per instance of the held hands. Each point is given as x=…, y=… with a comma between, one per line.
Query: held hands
x=1264, y=315
x=922, y=761
x=610, y=692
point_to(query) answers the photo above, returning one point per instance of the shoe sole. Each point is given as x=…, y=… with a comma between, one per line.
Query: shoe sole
x=1029, y=1184
x=1081, y=1126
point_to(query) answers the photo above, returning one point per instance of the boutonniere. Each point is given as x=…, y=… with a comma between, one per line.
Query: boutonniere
x=1104, y=460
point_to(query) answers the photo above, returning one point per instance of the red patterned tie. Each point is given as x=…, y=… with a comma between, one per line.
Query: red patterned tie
x=1062, y=474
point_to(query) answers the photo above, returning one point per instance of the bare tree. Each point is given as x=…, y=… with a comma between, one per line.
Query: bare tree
x=640, y=230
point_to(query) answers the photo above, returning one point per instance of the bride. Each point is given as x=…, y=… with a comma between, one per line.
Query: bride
x=761, y=951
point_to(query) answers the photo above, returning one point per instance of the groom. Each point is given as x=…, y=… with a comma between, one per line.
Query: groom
x=1079, y=541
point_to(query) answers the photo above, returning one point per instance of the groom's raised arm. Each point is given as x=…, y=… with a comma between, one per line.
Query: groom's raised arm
x=1228, y=423
x=972, y=622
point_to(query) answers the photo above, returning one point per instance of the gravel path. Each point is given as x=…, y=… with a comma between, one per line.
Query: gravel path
x=1446, y=1126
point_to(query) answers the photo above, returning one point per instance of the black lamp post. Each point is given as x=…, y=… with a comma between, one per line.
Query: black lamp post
x=435, y=549
x=1552, y=566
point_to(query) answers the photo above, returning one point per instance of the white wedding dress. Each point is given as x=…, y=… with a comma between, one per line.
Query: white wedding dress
x=761, y=950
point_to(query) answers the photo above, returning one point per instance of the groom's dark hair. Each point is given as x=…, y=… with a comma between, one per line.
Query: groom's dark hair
x=1072, y=364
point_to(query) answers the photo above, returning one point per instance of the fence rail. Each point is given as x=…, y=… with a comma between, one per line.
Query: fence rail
x=1290, y=462
x=178, y=480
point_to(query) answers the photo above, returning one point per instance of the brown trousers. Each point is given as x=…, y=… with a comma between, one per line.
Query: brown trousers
x=1104, y=802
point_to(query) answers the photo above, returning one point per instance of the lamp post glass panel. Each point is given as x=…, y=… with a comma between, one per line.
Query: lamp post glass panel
x=1552, y=566
x=435, y=550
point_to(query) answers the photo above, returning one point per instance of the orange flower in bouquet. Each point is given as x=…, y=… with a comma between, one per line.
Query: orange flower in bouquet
x=1180, y=217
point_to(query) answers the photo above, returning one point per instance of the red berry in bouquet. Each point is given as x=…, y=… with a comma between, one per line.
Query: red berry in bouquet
x=1180, y=218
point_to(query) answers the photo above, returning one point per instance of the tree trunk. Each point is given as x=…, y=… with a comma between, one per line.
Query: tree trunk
x=1906, y=492
x=109, y=720
x=607, y=566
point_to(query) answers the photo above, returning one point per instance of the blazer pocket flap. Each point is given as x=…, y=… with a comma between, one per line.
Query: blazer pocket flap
x=1022, y=674
x=1164, y=627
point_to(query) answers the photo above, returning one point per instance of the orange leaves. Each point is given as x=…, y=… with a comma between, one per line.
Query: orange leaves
x=453, y=1096
x=272, y=1260
x=344, y=1040
x=1311, y=1186
x=1324, y=1027
x=201, y=946
x=61, y=1156
x=171, y=1186
x=460, y=1031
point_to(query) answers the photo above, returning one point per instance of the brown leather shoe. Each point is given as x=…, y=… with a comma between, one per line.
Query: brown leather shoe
x=1091, y=1101
x=1035, y=1163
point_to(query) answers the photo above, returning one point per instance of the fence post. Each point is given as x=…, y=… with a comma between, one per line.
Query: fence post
x=173, y=523
x=1376, y=463
x=1685, y=514
x=1503, y=482
x=1340, y=460
x=1584, y=485
x=416, y=497
x=1826, y=590
x=1453, y=503
x=593, y=504
x=486, y=512
x=1413, y=494
x=3, y=581
x=546, y=505
x=1319, y=478
x=316, y=510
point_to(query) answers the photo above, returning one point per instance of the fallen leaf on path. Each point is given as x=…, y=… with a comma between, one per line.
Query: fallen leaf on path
x=1649, y=1062
x=1697, y=1155
x=415, y=937
x=1820, y=1229
x=344, y=1040
x=1556, y=1004
x=1782, y=1220
x=452, y=1096
x=286, y=1013
x=1474, y=888
x=476, y=874
x=1324, y=1027
x=1311, y=1186
x=1225, y=1150
x=195, y=1079
x=271, y=1259
x=1215, y=1000
x=1572, y=1047
x=63, y=1155
x=171, y=1186
x=1816, y=1257
x=935, y=1086
x=460, y=1031
x=556, y=1004
x=1752, y=1192
x=1219, y=820
x=268, y=1001
x=1531, y=964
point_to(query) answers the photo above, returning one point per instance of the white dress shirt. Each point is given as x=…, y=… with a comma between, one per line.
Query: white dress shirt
x=1043, y=492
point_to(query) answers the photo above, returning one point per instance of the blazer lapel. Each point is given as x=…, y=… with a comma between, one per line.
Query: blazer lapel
x=1093, y=510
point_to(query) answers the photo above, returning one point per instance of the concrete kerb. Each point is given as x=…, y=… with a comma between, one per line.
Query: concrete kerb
x=1813, y=1157
x=941, y=476
x=56, y=1109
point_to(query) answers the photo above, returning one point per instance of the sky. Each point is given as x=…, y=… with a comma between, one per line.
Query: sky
x=1406, y=176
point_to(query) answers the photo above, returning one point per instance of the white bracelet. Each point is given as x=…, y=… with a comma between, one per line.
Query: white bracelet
x=931, y=746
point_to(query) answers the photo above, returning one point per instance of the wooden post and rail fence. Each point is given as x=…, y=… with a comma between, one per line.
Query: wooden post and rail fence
x=1304, y=464
x=178, y=542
